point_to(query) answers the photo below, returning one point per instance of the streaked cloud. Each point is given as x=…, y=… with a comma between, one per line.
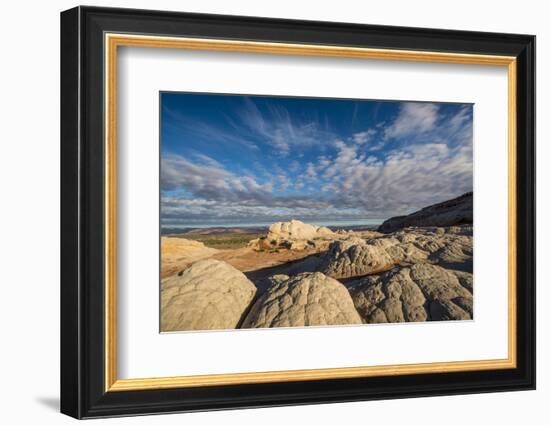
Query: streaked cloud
x=294, y=162
x=413, y=118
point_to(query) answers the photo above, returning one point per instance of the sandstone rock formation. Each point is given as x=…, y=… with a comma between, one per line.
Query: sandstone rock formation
x=355, y=257
x=307, y=299
x=413, y=294
x=412, y=274
x=295, y=229
x=210, y=294
x=453, y=212
x=294, y=235
x=450, y=247
x=178, y=253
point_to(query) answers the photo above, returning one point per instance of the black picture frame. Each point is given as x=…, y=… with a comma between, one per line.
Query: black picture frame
x=83, y=392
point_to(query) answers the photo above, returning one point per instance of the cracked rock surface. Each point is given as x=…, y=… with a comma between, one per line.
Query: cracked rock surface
x=414, y=293
x=210, y=294
x=449, y=247
x=306, y=299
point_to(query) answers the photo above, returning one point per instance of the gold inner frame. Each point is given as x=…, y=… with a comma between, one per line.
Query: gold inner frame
x=113, y=41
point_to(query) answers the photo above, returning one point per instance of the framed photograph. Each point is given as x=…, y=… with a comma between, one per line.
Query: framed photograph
x=261, y=212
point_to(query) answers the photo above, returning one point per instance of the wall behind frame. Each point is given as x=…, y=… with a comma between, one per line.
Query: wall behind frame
x=29, y=217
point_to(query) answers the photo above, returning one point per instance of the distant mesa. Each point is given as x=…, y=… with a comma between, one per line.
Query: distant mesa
x=223, y=230
x=171, y=231
x=453, y=212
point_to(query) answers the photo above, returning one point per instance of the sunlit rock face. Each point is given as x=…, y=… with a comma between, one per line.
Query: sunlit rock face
x=210, y=294
x=294, y=235
x=306, y=299
x=450, y=247
x=453, y=212
x=413, y=294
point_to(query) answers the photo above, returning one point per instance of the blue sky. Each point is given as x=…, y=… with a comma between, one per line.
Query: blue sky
x=232, y=159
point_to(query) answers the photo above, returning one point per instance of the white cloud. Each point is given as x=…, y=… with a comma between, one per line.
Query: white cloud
x=353, y=177
x=406, y=179
x=209, y=180
x=284, y=182
x=369, y=139
x=364, y=136
x=323, y=162
x=182, y=123
x=279, y=129
x=310, y=171
x=413, y=118
x=203, y=190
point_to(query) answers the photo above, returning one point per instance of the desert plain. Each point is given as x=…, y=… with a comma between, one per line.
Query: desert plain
x=411, y=268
